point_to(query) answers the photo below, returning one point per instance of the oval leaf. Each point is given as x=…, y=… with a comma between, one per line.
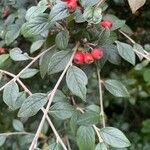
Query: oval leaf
x=114, y=137
x=32, y=105
x=86, y=138
x=76, y=81
x=116, y=88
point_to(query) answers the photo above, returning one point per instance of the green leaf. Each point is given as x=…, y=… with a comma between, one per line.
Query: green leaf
x=16, y=55
x=59, y=97
x=101, y=146
x=59, y=61
x=116, y=88
x=12, y=33
x=140, y=49
x=73, y=122
x=20, y=99
x=86, y=3
x=89, y=118
x=146, y=76
x=18, y=126
x=93, y=14
x=79, y=16
x=28, y=73
x=2, y=139
x=61, y=110
x=76, y=81
x=126, y=52
x=36, y=10
x=3, y=58
x=44, y=62
x=32, y=105
x=114, y=137
x=35, y=26
x=58, y=12
x=62, y=39
x=10, y=94
x=85, y=138
x=54, y=146
x=103, y=36
x=36, y=46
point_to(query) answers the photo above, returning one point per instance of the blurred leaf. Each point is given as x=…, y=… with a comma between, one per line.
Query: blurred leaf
x=18, y=126
x=2, y=139
x=136, y=4
x=3, y=58
x=101, y=146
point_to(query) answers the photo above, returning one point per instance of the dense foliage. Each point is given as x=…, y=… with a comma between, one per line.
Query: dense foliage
x=71, y=76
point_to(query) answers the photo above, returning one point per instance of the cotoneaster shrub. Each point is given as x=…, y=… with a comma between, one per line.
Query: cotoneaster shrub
x=68, y=43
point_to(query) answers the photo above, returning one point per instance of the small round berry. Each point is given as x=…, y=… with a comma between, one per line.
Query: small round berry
x=88, y=58
x=79, y=57
x=2, y=50
x=71, y=4
x=106, y=23
x=97, y=53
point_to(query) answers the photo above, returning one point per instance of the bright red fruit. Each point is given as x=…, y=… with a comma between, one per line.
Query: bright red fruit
x=71, y=4
x=2, y=50
x=88, y=58
x=106, y=23
x=79, y=57
x=96, y=53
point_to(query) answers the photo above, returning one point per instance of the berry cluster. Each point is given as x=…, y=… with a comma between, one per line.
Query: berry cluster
x=88, y=57
x=2, y=50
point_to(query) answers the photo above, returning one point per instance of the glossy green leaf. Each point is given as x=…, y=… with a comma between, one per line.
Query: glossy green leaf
x=28, y=73
x=101, y=146
x=126, y=52
x=10, y=94
x=86, y=138
x=17, y=55
x=3, y=58
x=62, y=40
x=58, y=12
x=18, y=125
x=59, y=61
x=36, y=46
x=116, y=88
x=61, y=110
x=93, y=14
x=32, y=105
x=76, y=81
x=114, y=137
x=2, y=139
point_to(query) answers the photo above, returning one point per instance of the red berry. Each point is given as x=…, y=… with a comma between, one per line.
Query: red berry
x=79, y=57
x=2, y=50
x=106, y=23
x=97, y=53
x=71, y=4
x=88, y=58
x=5, y=12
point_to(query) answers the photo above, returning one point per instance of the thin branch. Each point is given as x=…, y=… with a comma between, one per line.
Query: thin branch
x=17, y=76
x=47, y=117
x=15, y=133
x=101, y=98
x=135, y=50
x=51, y=96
